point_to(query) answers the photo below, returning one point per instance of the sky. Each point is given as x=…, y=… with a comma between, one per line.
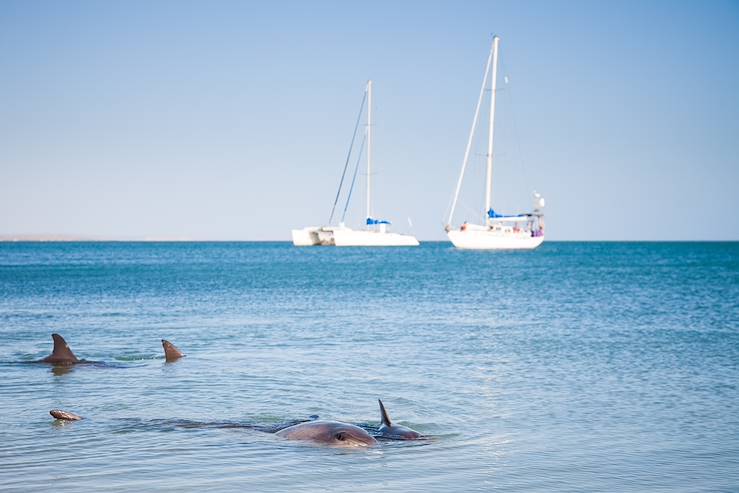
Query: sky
x=231, y=120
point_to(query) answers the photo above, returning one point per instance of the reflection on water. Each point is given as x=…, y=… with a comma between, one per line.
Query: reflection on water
x=59, y=370
x=578, y=367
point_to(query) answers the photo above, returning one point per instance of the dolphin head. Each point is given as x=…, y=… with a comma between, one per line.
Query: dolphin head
x=64, y=415
x=332, y=433
x=397, y=432
x=352, y=436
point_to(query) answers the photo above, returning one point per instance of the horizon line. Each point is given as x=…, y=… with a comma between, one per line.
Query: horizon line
x=165, y=239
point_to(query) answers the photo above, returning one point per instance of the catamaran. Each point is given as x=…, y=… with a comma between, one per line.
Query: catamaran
x=376, y=232
x=523, y=231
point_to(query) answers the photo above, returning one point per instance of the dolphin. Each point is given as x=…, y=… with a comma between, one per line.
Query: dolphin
x=398, y=432
x=332, y=433
x=64, y=415
x=61, y=354
x=171, y=353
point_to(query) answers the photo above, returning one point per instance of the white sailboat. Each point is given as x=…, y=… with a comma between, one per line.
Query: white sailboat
x=500, y=231
x=376, y=232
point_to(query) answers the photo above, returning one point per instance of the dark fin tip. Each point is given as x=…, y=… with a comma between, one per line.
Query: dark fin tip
x=383, y=415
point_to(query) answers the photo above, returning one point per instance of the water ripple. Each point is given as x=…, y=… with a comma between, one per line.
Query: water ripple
x=580, y=367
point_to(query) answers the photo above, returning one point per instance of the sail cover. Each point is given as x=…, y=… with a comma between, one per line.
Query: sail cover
x=371, y=221
x=494, y=215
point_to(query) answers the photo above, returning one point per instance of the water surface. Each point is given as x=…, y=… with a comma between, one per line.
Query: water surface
x=577, y=367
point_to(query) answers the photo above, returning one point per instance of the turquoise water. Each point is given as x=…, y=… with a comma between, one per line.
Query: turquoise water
x=578, y=367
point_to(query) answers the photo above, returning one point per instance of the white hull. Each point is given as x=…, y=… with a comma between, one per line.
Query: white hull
x=313, y=236
x=351, y=237
x=305, y=237
x=476, y=239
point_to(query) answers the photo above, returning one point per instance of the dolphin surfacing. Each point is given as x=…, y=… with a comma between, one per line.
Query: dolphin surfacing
x=61, y=354
x=171, y=353
x=331, y=433
x=397, y=432
x=64, y=415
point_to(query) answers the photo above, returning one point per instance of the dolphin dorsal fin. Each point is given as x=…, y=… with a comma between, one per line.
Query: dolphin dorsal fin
x=61, y=351
x=384, y=416
x=171, y=353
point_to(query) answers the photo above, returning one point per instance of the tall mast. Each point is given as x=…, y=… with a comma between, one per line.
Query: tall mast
x=489, y=181
x=369, y=147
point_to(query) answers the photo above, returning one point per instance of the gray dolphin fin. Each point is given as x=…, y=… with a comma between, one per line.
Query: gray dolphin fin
x=171, y=353
x=384, y=415
x=61, y=351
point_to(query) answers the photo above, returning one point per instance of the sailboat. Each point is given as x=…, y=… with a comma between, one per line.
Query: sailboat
x=376, y=232
x=523, y=231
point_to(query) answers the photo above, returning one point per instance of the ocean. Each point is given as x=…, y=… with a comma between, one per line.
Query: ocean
x=576, y=367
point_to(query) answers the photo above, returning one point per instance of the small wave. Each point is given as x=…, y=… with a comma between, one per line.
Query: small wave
x=138, y=357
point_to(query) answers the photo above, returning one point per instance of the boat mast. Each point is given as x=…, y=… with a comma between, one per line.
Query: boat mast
x=489, y=184
x=369, y=147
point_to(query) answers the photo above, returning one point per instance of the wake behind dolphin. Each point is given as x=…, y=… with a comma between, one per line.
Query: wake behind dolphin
x=322, y=432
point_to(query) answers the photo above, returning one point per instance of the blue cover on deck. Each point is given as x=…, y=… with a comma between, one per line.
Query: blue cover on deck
x=371, y=221
x=492, y=214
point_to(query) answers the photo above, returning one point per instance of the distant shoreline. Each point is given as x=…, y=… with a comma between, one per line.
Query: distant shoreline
x=41, y=238
x=164, y=239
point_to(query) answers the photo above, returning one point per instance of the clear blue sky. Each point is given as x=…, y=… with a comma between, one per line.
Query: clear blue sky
x=230, y=120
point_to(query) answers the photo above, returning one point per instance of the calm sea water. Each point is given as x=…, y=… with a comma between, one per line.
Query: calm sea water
x=578, y=367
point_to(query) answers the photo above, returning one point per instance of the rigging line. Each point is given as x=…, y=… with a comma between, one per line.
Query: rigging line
x=472, y=133
x=348, y=156
x=354, y=177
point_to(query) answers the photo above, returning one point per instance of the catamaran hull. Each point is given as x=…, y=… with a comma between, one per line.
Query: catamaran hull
x=350, y=237
x=305, y=237
x=313, y=236
x=489, y=240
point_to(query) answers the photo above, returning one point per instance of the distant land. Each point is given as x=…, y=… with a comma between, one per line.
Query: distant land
x=63, y=237
x=40, y=238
